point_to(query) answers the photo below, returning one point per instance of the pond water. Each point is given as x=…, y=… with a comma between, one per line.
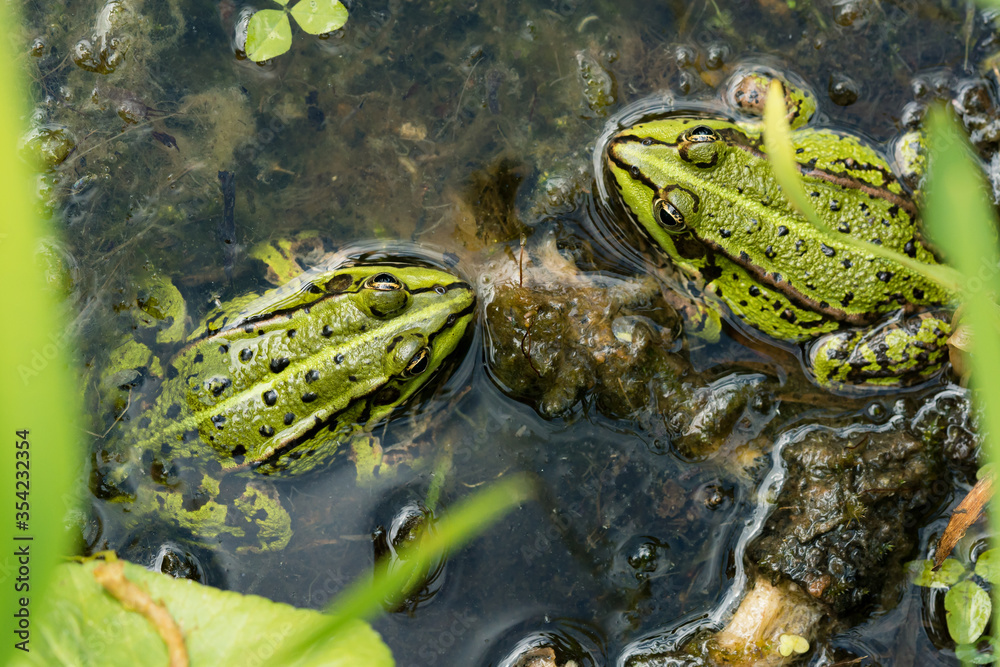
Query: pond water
x=469, y=129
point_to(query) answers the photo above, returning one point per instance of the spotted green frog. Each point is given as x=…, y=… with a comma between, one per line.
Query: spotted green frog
x=703, y=190
x=277, y=388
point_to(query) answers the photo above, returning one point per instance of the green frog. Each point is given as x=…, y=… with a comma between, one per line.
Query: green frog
x=703, y=190
x=277, y=387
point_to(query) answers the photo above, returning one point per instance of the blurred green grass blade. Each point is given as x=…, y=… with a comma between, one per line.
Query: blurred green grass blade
x=37, y=387
x=366, y=599
x=960, y=220
x=778, y=144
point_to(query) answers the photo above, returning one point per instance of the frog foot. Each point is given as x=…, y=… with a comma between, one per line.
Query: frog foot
x=899, y=353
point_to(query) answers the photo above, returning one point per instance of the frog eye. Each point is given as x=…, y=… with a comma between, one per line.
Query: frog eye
x=418, y=364
x=670, y=218
x=701, y=134
x=383, y=282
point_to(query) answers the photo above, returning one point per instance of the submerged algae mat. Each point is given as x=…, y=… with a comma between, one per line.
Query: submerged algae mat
x=468, y=129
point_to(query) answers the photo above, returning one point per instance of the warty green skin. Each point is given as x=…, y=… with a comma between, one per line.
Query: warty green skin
x=281, y=386
x=742, y=242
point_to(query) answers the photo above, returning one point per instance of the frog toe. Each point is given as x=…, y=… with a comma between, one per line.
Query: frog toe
x=898, y=354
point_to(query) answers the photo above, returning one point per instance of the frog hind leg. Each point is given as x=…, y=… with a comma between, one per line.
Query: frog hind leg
x=901, y=353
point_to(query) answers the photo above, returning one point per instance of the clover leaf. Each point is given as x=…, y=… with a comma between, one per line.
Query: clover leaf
x=269, y=32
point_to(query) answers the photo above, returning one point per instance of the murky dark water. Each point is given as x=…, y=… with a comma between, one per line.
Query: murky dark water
x=463, y=126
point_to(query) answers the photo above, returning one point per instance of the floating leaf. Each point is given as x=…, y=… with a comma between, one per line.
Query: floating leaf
x=789, y=644
x=988, y=565
x=967, y=608
x=923, y=574
x=320, y=16
x=269, y=34
x=970, y=653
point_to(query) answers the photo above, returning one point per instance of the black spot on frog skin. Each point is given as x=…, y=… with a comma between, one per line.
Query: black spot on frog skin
x=312, y=375
x=189, y=435
x=743, y=303
x=846, y=301
x=864, y=207
x=144, y=423
x=173, y=411
x=223, y=348
x=910, y=248
x=744, y=257
x=884, y=276
x=291, y=333
x=844, y=228
x=710, y=273
x=219, y=420
x=918, y=293
x=718, y=292
x=894, y=210
x=814, y=193
x=782, y=230
x=289, y=418
x=823, y=305
x=777, y=277
x=877, y=241
x=338, y=359
x=352, y=378
x=309, y=397
x=847, y=263
x=270, y=397
x=279, y=364
x=800, y=245
x=239, y=450
x=834, y=205
x=754, y=291
x=267, y=431
x=260, y=332
x=769, y=252
x=827, y=250
x=198, y=358
x=327, y=331
x=393, y=343
x=788, y=315
x=725, y=233
x=217, y=385
x=172, y=372
x=195, y=501
x=246, y=354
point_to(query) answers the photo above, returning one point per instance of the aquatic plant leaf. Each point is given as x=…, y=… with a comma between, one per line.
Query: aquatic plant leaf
x=962, y=222
x=269, y=34
x=970, y=654
x=988, y=565
x=778, y=144
x=789, y=644
x=922, y=573
x=35, y=352
x=83, y=625
x=967, y=608
x=320, y=16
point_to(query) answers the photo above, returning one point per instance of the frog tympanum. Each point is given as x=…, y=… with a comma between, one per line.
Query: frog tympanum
x=704, y=191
